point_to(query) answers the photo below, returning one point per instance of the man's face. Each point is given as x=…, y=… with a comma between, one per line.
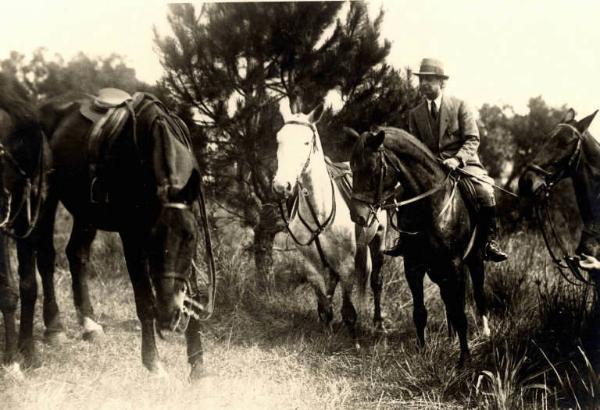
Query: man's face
x=430, y=86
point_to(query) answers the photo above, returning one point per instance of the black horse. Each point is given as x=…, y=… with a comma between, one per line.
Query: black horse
x=571, y=152
x=138, y=177
x=24, y=159
x=392, y=169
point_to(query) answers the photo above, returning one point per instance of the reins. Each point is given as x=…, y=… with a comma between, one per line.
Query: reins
x=543, y=215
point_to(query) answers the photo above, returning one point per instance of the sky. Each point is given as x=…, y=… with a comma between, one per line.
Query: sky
x=499, y=52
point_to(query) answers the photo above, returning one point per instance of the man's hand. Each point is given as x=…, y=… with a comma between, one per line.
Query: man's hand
x=451, y=163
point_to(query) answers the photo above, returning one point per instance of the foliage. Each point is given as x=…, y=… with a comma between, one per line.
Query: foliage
x=45, y=77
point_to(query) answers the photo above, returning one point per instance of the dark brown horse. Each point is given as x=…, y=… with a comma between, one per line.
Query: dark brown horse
x=392, y=165
x=571, y=152
x=24, y=157
x=150, y=182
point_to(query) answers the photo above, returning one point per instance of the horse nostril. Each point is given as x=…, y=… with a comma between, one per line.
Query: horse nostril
x=288, y=187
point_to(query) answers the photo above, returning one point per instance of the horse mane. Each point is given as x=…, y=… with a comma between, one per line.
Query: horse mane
x=404, y=144
x=15, y=100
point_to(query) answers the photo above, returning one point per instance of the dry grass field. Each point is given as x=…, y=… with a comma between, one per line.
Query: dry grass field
x=267, y=349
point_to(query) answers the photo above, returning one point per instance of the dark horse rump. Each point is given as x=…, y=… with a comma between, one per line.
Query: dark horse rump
x=153, y=182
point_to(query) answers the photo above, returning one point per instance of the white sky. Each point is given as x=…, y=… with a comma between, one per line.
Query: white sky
x=495, y=51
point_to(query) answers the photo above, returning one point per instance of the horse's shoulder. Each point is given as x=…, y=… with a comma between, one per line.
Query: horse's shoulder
x=53, y=111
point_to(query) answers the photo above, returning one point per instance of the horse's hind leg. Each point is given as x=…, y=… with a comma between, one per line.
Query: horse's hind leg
x=376, y=248
x=477, y=271
x=78, y=254
x=415, y=274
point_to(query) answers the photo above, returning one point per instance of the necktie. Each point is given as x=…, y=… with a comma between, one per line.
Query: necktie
x=434, y=112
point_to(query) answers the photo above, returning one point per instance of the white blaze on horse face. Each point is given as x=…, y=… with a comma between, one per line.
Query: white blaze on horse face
x=294, y=146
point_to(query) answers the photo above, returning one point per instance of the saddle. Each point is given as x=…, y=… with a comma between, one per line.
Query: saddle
x=108, y=112
x=341, y=173
x=469, y=195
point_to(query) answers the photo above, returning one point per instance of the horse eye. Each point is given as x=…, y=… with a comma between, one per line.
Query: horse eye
x=306, y=143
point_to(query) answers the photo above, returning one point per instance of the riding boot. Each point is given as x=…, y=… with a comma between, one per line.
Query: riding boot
x=489, y=226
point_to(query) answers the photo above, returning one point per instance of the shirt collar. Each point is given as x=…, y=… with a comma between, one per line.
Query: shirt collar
x=438, y=102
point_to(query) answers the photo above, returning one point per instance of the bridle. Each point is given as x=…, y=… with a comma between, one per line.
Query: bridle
x=8, y=220
x=552, y=178
x=543, y=215
x=191, y=306
x=388, y=201
x=301, y=190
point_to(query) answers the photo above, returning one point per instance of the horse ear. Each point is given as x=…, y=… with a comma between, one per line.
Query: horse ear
x=315, y=115
x=284, y=109
x=569, y=116
x=351, y=133
x=374, y=140
x=584, y=124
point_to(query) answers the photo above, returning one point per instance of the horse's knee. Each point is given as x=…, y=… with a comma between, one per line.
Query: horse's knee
x=9, y=300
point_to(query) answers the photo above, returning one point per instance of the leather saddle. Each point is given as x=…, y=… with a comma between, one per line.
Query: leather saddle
x=108, y=112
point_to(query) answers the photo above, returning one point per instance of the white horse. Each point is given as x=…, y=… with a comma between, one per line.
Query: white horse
x=336, y=249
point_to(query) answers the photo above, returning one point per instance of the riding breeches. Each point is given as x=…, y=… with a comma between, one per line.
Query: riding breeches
x=484, y=190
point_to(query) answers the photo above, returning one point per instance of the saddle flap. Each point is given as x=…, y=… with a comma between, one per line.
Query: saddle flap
x=467, y=189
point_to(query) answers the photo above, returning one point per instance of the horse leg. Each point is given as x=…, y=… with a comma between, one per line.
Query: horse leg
x=9, y=299
x=415, y=275
x=477, y=271
x=144, y=299
x=193, y=339
x=452, y=291
x=78, y=254
x=348, y=312
x=325, y=309
x=46, y=257
x=376, y=248
x=28, y=294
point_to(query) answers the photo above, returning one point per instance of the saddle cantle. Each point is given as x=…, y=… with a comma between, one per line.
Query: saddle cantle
x=108, y=112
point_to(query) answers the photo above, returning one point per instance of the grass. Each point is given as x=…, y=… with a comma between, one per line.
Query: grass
x=267, y=350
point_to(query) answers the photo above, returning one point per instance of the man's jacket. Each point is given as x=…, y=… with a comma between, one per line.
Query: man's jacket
x=454, y=134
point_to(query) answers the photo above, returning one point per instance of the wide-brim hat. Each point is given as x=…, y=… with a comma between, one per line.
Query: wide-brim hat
x=432, y=67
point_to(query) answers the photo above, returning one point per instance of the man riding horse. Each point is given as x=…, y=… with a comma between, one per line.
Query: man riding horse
x=447, y=127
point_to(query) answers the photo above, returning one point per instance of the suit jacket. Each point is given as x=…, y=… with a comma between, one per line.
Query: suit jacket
x=456, y=135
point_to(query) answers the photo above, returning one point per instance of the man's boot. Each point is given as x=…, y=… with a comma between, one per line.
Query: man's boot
x=492, y=251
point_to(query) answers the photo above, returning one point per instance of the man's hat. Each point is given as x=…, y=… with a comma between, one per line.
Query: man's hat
x=433, y=67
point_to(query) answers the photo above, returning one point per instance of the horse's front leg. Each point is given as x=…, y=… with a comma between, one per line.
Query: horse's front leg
x=477, y=271
x=28, y=292
x=43, y=238
x=193, y=338
x=9, y=299
x=78, y=254
x=144, y=299
x=376, y=247
x=415, y=273
x=452, y=291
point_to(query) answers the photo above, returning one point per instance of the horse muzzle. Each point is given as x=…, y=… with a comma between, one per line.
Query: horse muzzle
x=283, y=189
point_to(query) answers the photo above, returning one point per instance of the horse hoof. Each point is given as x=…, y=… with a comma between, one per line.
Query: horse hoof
x=31, y=360
x=198, y=372
x=94, y=336
x=357, y=346
x=13, y=372
x=53, y=338
x=486, y=333
x=380, y=328
x=158, y=371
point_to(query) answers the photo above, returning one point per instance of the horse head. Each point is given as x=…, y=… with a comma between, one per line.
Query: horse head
x=297, y=141
x=559, y=156
x=174, y=231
